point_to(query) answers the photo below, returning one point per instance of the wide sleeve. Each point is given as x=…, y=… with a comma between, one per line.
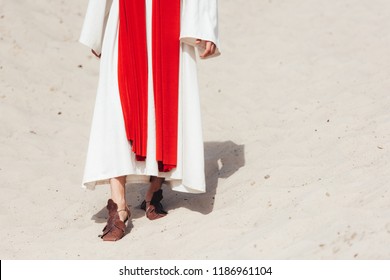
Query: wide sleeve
x=199, y=20
x=94, y=25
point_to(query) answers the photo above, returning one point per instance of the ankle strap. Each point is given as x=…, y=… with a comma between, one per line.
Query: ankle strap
x=127, y=210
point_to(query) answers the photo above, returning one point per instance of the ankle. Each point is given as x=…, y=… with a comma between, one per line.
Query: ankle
x=120, y=201
x=124, y=214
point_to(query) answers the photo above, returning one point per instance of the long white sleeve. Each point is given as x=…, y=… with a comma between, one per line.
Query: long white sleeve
x=95, y=22
x=199, y=20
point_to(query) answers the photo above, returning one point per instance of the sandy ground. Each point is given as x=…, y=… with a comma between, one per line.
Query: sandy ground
x=296, y=126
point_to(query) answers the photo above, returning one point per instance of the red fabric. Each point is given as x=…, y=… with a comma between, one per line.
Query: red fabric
x=166, y=32
x=133, y=76
x=133, y=72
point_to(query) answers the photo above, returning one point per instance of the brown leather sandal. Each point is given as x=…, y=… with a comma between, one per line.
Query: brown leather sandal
x=154, y=209
x=115, y=228
x=152, y=213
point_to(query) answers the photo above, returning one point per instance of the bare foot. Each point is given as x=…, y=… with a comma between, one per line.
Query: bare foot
x=118, y=195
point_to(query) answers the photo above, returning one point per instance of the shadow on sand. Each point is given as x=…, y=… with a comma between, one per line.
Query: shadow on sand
x=222, y=159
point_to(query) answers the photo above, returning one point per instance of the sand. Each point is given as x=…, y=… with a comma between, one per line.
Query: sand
x=296, y=126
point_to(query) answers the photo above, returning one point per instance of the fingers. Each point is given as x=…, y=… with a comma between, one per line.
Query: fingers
x=209, y=50
x=213, y=48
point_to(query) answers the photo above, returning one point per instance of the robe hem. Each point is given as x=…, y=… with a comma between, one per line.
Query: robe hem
x=174, y=183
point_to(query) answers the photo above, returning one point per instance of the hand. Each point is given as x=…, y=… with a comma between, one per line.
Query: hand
x=95, y=54
x=209, y=50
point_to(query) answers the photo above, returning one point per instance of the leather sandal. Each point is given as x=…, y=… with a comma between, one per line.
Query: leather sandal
x=154, y=209
x=115, y=227
x=151, y=212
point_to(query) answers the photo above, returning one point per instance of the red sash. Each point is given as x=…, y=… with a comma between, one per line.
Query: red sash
x=133, y=76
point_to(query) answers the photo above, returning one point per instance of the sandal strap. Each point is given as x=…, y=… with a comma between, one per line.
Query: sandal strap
x=127, y=210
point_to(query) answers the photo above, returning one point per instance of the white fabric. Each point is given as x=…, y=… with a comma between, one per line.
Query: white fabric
x=109, y=153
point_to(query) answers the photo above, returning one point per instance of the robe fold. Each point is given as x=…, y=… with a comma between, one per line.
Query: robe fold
x=110, y=153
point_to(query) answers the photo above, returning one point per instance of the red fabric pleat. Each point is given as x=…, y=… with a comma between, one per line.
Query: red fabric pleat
x=133, y=76
x=133, y=73
x=166, y=47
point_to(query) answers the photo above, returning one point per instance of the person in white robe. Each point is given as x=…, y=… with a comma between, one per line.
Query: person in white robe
x=110, y=160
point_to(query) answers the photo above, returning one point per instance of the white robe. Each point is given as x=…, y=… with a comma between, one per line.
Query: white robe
x=109, y=152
